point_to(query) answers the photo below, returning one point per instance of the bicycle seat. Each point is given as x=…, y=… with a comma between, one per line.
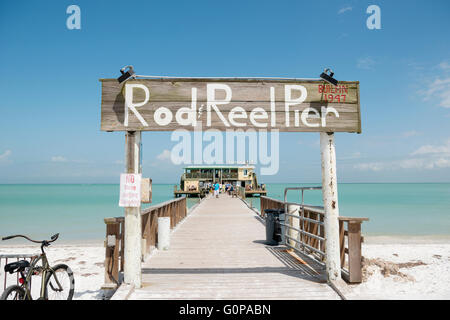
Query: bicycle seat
x=19, y=266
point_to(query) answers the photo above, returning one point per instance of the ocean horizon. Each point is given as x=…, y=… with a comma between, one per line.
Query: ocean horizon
x=77, y=211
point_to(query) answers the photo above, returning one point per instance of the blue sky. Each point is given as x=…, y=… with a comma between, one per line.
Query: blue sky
x=50, y=93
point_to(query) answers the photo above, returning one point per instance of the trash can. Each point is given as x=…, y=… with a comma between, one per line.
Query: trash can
x=274, y=231
x=270, y=227
x=280, y=218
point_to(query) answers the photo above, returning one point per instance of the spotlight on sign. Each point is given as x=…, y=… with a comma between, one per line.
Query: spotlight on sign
x=329, y=77
x=126, y=75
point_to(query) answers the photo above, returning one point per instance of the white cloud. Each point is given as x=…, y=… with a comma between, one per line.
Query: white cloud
x=442, y=163
x=415, y=65
x=165, y=155
x=442, y=150
x=444, y=65
x=58, y=159
x=5, y=155
x=345, y=9
x=411, y=133
x=371, y=166
x=413, y=163
x=354, y=155
x=365, y=63
x=426, y=157
x=439, y=89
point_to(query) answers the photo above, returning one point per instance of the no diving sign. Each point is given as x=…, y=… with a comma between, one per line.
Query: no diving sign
x=130, y=190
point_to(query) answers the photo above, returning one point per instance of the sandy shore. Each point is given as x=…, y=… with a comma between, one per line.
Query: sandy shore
x=404, y=268
x=394, y=268
x=85, y=260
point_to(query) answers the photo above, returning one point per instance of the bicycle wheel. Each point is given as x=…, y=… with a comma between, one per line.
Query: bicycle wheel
x=59, y=283
x=13, y=293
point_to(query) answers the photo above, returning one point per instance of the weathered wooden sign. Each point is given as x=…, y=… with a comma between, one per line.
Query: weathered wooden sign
x=174, y=103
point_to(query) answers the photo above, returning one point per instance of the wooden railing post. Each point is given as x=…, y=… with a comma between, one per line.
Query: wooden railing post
x=342, y=242
x=112, y=243
x=122, y=242
x=354, y=251
x=262, y=206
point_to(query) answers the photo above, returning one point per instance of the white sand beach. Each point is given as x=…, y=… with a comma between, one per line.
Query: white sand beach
x=85, y=259
x=395, y=268
x=404, y=268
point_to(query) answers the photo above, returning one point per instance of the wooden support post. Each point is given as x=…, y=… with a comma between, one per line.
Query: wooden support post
x=122, y=244
x=354, y=251
x=331, y=208
x=133, y=229
x=342, y=242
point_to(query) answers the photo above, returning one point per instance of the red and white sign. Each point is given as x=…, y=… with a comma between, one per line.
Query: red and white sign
x=130, y=190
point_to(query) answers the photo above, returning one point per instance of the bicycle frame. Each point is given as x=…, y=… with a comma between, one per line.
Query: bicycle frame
x=43, y=270
x=26, y=285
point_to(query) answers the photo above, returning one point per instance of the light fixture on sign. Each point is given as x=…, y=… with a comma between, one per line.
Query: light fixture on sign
x=126, y=75
x=329, y=77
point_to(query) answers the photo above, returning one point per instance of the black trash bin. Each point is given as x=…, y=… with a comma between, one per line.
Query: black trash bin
x=274, y=230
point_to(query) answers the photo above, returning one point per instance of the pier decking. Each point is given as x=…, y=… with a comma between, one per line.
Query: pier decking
x=219, y=252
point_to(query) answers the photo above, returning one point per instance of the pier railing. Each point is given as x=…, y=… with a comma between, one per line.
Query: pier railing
x=305, y=232
x=114, y=256
x=175, y=209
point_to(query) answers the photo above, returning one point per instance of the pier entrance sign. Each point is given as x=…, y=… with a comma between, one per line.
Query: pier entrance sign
x=168, y=104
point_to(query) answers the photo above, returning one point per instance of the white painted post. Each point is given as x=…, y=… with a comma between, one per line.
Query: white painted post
x=133, y=230
x=330, y=203
x=163, y=233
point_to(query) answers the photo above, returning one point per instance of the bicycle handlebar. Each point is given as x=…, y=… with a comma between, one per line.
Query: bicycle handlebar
x=54, y=238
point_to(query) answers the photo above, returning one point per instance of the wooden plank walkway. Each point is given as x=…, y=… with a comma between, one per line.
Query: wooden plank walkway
x=218, y=252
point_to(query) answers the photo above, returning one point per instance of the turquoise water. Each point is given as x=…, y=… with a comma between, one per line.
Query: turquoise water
x=77, y=211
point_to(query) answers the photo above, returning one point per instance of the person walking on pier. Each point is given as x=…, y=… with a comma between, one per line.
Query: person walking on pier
x=216, y=189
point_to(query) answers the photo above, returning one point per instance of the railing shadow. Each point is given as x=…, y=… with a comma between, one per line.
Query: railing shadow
x=303, y=263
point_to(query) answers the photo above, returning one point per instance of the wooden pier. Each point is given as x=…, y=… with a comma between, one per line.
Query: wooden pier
x=218, y=252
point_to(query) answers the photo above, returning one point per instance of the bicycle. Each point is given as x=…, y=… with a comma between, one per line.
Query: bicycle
x=57, y=283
